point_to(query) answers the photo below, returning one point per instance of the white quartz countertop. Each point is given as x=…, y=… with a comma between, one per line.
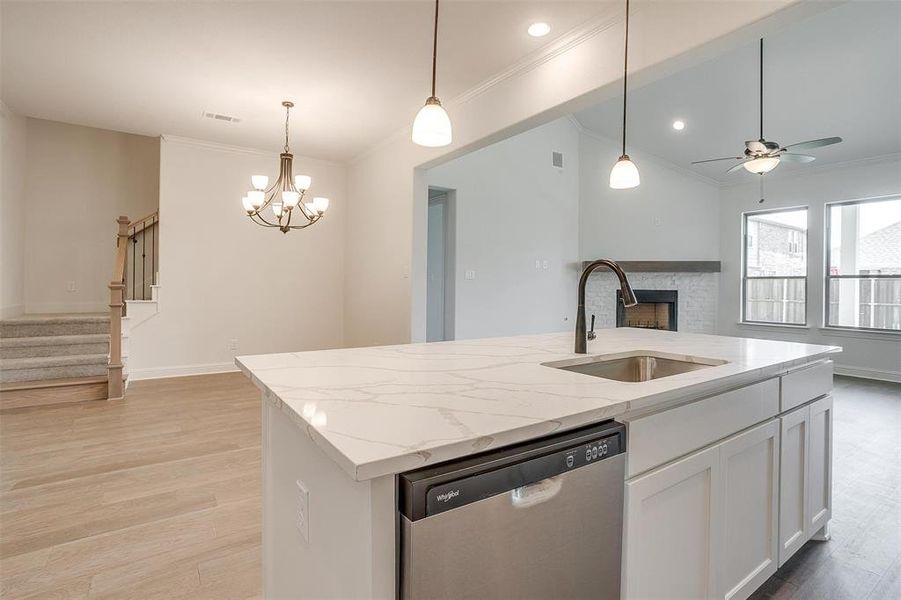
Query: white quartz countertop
x=388, y=409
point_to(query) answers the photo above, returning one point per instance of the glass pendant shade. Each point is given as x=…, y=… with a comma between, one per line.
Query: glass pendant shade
x=624, y=174
x=290, y=199
x=256, y=197
x=247, y=204
x=277, y=209
x=320, y=204
x=432, y=126
x=259, y=181
x=303, y=182
x=761, y=165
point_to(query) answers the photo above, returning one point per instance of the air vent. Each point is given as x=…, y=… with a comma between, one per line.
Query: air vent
x=557, y=159
x=221, y=117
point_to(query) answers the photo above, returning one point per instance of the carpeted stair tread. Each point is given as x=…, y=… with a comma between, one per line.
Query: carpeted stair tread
x=55, y=340
x=40, y=362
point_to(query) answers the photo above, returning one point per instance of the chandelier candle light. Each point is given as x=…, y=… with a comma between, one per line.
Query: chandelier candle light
x=624, y=174
x=285, y=198
x=432, y=126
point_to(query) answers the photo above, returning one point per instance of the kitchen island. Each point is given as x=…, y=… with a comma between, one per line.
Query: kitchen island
x=728, y=466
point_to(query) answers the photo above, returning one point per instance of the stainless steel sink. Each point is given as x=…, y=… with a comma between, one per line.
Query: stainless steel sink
x=635, y=367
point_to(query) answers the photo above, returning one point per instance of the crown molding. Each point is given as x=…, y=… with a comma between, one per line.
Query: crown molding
x=220, y=147
x=590, y=133
x=561, y=45
x=810, y=170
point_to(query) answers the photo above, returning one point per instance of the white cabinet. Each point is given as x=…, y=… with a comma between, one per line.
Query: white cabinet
x=705, y=526
x=805, y=503
x=670, y=530
x=750, y=491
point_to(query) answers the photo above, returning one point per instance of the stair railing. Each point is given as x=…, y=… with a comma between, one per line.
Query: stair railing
x=143, y=234
x=116, y=387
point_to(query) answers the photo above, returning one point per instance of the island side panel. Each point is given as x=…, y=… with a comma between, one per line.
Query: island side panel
x=350, y=550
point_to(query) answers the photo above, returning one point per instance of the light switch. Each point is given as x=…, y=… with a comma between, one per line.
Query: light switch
x=469, y=275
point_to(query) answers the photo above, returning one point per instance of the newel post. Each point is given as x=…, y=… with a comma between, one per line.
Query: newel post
x=116, y=303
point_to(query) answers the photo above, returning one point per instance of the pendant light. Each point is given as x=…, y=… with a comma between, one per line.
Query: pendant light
x=432, y=126
x=624, y=174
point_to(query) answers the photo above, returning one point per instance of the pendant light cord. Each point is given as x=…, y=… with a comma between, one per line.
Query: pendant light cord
x=625, y=76
x=287, y=115
x=761, y=89
x=435, y=49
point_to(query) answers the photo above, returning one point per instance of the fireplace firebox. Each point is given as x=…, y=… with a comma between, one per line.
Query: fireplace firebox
x=656, y=309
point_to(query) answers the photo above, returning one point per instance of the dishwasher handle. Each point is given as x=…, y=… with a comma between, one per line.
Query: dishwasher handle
x=536, y=493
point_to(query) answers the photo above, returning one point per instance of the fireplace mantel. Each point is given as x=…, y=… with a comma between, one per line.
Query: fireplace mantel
x=667, y=266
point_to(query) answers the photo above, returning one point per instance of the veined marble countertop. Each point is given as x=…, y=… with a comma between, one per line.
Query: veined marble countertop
x=388, y=409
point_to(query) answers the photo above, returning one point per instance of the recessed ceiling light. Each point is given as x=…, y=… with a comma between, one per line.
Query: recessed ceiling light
x=539, y=29
x=678, y=125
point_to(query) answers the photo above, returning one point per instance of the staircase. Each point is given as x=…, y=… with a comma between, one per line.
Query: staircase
x=54, y=351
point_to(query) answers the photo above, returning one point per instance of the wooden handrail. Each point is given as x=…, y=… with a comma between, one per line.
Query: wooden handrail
x=155, y=214
x=116, y=304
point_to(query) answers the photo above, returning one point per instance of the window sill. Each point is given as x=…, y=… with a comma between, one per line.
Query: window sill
x=774, y=326
x=871, y=334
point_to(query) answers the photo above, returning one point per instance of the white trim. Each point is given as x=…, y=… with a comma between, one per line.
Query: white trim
x=67, y=307
x=863, y=373
x=12, y=311
x=185, y=371
x=888, y=335
x=780, y=326
x=196, y=143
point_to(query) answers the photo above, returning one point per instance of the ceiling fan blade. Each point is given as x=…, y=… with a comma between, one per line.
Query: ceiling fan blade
x=811, y=144
x=799, y=158
x=736, y=168
x=697, y=162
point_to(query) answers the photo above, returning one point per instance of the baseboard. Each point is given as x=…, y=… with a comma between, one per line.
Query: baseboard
x=12, y=311
x=894, y=376
x=67, y=307
x=184, y=371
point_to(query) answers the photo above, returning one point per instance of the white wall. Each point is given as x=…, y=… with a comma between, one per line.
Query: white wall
x=13, y=141
x=223, y=278
x=385, y=273
x=672, y=215
x=866, y=354
x=513, y=208
x=79, y=180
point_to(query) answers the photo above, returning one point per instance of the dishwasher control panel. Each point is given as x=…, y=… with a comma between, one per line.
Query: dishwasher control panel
x=437, y=489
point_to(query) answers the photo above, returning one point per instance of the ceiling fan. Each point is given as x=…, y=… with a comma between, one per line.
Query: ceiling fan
x=762, y=156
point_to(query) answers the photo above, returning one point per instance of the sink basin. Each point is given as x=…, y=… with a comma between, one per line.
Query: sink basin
x=635, y=367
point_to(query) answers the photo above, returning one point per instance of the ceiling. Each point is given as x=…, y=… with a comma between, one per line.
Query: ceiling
x=835, y=74
x=357, y=71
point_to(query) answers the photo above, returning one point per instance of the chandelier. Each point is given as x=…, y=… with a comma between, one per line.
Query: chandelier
x=283, y=202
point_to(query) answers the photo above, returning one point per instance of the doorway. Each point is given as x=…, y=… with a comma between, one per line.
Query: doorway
x=440, y=265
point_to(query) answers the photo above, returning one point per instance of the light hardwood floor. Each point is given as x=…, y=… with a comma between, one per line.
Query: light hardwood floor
x=155, y=496
x=158, y=496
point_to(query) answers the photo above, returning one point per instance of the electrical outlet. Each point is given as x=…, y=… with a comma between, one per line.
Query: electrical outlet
x=70, y=286
x=469, y=275
x=537, y=264
x=302, y=514
x=544, y=264
x=233, y=344
x=657, y=221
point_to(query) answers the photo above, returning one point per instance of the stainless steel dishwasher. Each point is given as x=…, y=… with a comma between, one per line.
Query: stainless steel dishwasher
x=538, y=520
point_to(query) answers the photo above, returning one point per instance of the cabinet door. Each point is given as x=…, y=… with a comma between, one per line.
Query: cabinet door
x=793, y=481
x=750, y=492
x=819, y=499
x=670, y=530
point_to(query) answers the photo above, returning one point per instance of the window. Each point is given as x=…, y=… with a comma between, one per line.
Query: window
x=863, y=264
x=774, y=282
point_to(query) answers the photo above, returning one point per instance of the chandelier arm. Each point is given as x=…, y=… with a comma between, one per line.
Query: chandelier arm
x=259, y=220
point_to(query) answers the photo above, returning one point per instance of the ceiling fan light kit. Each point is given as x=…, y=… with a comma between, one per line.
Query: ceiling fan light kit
x=624, y=174
x=432, y=125
x=762, y=156
x=284, y=197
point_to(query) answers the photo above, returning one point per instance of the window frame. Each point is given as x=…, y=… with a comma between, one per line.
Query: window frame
x=744, y=267
x=827, y=253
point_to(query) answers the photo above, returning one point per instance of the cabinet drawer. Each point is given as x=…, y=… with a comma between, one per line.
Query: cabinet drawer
x=661, y=437
x=805, y=384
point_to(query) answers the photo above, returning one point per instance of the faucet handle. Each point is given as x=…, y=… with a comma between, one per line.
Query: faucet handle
x=591, y=334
